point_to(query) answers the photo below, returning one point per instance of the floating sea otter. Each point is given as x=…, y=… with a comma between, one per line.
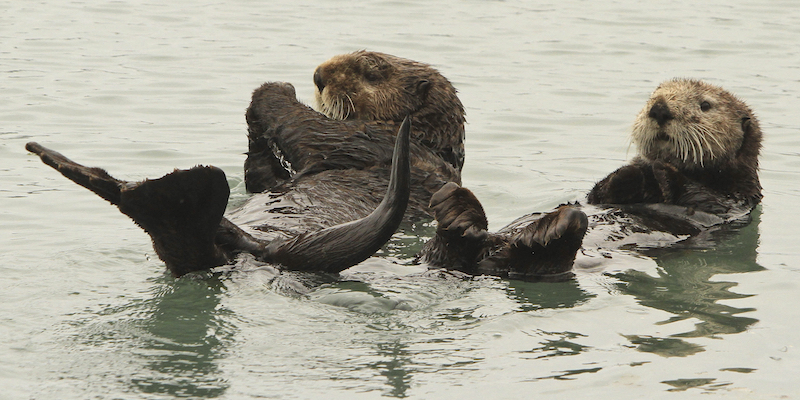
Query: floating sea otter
x=312, y=173
x=321, y=174
x=696, y=169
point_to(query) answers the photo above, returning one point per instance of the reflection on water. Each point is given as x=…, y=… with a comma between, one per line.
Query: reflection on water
x=538, y=295
x=707, y=384
x=393, y=366
x=561, y=345
x=178, y=336
x=685, y=287
x=408, y=241
x=387, y=332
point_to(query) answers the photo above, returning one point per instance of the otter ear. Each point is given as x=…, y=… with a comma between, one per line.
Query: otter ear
x=746, y=124
x=423, y=85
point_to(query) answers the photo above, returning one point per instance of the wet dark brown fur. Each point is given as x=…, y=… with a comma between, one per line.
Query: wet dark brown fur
x=372, y=86
x=539, y=246
x=293, y=147
x=296, y=151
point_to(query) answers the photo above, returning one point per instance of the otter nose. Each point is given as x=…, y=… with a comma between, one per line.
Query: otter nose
x=660, y=112
x=318, y=80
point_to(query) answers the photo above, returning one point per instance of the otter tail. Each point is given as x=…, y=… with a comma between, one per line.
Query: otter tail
x=342, y=246
x=183, y=214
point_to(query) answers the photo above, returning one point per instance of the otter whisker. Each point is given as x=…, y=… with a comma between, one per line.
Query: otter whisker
x=683, y=148
x=704, y=134
x=337, y=109
x=691, y=140
x=716, y=140
x=333, y=109
x=352, y=106
x=697, y=147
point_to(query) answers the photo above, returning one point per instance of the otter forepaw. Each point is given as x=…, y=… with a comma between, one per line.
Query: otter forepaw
x=565, y=223
x=670, y=181
x=545, y=248
x=623, y=186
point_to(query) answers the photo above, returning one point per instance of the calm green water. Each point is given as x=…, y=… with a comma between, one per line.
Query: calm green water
x=551, y=88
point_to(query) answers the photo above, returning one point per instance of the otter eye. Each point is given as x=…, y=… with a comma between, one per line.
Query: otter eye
x=705, y=106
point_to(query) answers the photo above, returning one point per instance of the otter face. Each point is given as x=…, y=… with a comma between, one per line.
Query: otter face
x=372, y=86
x=691, y=125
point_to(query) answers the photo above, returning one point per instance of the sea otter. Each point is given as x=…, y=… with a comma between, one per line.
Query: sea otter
x=696, y=170
x=364, y=97
x=314, y=175
x=369, y=92
x=698, y=148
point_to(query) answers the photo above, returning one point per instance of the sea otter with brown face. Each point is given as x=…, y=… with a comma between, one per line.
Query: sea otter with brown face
x=313, y=175
x=365, y=95
x=372, y=86
x=696, y=171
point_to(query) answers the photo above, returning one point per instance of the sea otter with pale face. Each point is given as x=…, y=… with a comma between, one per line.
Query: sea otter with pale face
x=696, y=171
x=698, y=147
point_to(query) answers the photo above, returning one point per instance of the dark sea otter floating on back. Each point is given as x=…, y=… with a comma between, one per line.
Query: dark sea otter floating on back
x=327, y=192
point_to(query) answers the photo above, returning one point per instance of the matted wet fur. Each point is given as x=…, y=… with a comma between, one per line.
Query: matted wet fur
x=314, y=175
x=374, y=86
x=365, y=93
x=696, y=171
x=363, y=96
x=541, y=246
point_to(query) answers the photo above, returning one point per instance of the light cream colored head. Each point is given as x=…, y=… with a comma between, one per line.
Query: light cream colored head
x=693, y=125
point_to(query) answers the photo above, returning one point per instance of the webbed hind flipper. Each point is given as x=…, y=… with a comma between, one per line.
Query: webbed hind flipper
x=95, y=179
x=181, y=211
x=545, y=248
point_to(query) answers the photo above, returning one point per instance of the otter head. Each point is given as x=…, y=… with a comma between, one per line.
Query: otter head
x=694, y=125
x=374, y=86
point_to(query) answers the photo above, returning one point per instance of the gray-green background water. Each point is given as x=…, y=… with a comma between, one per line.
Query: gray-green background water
x=551, y=89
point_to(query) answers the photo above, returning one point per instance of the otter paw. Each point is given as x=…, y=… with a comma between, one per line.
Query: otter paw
x=458, y=212
x=623, y=186
x=670, y=181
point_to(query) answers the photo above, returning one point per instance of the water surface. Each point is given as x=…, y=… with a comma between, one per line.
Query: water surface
x=550, y=88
